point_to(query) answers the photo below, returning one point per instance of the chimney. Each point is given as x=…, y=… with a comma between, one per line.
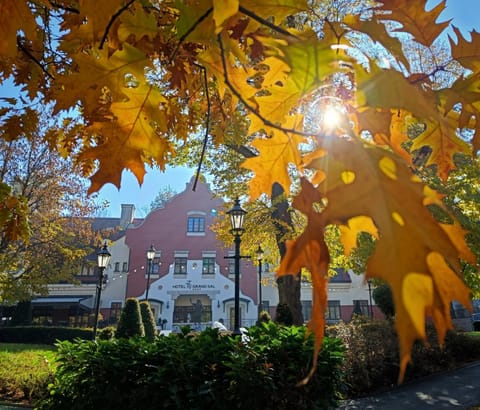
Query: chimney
x=126, y=217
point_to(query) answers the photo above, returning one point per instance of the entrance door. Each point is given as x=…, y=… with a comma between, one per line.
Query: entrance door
x=192, y=309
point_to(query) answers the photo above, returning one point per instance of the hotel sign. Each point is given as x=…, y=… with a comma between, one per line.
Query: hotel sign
x=188, y=285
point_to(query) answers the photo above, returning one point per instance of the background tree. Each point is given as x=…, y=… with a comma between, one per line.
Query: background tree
x=55, y=200
x=164, y=195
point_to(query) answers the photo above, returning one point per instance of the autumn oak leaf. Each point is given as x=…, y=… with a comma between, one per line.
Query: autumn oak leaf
x=414, y=259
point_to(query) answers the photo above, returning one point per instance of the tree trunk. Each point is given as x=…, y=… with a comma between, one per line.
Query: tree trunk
x=289, y=286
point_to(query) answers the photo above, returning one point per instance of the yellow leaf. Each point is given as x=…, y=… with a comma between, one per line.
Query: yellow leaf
x=222, y=11
x=279, y=9
x=390, y=89
x=440, y=135
x=276, y=154
x=350, y=231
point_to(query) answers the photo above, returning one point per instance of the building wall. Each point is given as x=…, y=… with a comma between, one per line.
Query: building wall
x=115, y=287
x=166, y=230
x=345, y=292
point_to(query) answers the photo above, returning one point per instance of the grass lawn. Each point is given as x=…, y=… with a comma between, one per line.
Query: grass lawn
x=25, y=371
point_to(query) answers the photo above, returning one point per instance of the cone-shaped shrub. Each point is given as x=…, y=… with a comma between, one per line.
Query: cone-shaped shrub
x=148, y=321
x=130, y=323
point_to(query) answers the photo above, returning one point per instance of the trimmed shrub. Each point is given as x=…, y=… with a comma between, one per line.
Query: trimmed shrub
x=106, y=333
x=265, y=317
x=206, y=370
x=130, y=323
x=148, y=321
x=382, y=295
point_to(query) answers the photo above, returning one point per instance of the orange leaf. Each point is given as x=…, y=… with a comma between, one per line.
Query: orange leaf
x=363, y=180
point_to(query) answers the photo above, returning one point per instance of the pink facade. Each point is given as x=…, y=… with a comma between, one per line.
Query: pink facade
x=180, y=234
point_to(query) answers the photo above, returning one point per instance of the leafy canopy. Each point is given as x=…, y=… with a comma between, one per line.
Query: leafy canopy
x=146, y=75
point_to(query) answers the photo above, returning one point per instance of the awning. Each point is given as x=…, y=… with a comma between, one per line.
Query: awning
x=86, y=301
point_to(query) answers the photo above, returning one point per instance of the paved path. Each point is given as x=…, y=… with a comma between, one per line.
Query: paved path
x=458, y=389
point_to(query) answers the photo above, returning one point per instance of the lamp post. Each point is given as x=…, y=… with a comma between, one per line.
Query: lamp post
x=150, y=256
x=369, y=281
x=259, y=253
x=237, y=215
x=103, y=257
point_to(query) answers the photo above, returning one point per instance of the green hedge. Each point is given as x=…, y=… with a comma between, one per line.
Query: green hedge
x=42, y=334
x=202, y=371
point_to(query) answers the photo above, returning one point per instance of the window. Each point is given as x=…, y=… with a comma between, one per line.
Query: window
x=196, y=224
x=306, y=309
x=125, y=267
x=230, y=268
x=208, y=266
x=180, y=266
x=266, y=305
x=156, y=265
x=117, y=267
x=333, y=311
x=87, y=270
x=360, y=307
x=115, y=311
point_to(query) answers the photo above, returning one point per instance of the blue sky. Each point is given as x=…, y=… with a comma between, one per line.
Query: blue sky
x=465, y=15
x=131, y=193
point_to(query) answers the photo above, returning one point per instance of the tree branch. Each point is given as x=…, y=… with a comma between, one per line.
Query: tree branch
x=34, y=59
x=187, y=33
x=66, y=8
x=245, y=103
x=274, y=27
x=207, y=127
x=114, y=17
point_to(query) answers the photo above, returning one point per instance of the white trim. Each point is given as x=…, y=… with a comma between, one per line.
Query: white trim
x=195, y=233
x=196, y=213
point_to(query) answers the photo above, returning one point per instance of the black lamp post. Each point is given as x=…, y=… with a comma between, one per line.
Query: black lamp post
x=237, y=215
x=369, y=281
x=150, y=255
x=103, y=257
x=259, y=259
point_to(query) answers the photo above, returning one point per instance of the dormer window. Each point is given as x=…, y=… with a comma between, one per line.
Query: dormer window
x=196, y=223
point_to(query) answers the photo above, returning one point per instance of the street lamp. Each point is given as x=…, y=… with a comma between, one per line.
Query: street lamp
x=369, y=281
x=150, y=255
x=237, y=215
x=259, y=259
x=103, y=257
